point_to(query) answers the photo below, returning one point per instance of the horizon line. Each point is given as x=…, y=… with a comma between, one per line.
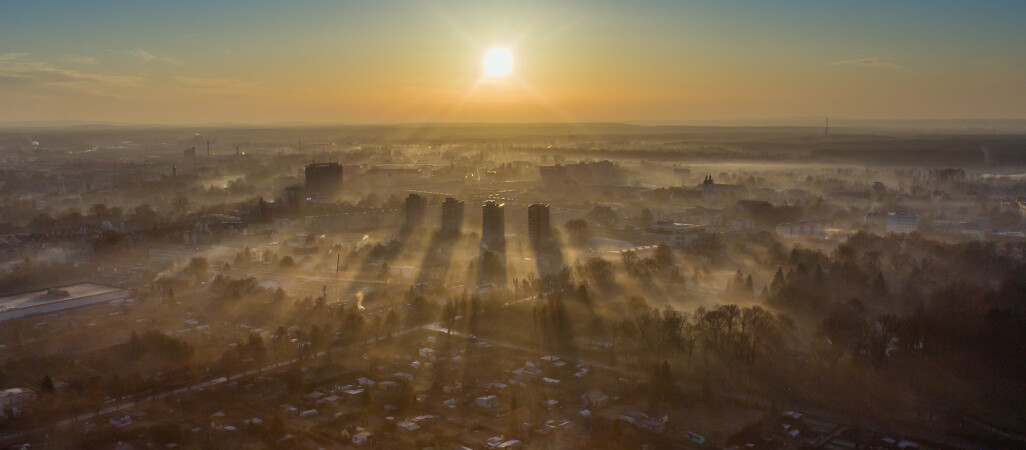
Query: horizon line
x=837, y=122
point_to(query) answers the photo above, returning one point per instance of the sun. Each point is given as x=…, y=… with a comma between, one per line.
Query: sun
x=498, y=62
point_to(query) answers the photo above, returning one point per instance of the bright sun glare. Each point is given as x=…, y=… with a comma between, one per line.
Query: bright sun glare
x=498, y=62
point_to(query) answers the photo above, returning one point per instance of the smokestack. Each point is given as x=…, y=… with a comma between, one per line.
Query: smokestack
x=236, y=150
x=826, y=129
x=208, y=149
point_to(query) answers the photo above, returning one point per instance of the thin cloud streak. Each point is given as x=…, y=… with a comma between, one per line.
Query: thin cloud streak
x=147, y=57
x=19, y=71
x=77, y=59
x=866, y=62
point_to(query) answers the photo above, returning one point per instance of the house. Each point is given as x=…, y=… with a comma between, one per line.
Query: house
x=452, y=388
x=308, y=413
x=652, y=422
x=353, y=393
x=595, y=399
x=13, y=400
x=407, y=426
x=402, y=376
x=218, y=420
x=388, y=386
x=120, y=420
x=425, y=419
x=362, y=438
x=521, y=379
x=510, y=444
x=488, y=401
x=529, y=371
x=426, y=352
x=289, y=410
x=495, y=384
x=331, y=400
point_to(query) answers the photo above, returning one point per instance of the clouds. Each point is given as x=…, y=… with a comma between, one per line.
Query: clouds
x=78, y=59
x=223, y=87
x=21, y=71
x=146, y=57
x=9, y=57
x=866, y=62
x=218, y=83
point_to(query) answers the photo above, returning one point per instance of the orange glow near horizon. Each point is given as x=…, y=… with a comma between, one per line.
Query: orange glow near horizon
x=374, y=63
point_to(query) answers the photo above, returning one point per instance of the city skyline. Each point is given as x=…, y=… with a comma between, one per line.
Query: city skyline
x=411, y=62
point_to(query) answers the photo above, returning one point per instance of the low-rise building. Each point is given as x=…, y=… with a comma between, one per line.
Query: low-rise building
x=488, y=401
x=120, y=420
x=811, y=227
x=674, y=234
x=595, y=398
x=14, y=400
x=58, y=299
x=902, y=222
x=362, y=438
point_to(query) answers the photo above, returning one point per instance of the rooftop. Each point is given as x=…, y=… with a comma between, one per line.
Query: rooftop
x=675, y=226
x=54, y=295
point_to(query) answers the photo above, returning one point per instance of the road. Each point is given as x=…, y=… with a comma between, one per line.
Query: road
x=843, y=420
x=131, y=402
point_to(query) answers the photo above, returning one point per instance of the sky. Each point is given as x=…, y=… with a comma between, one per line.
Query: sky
x=387, y=61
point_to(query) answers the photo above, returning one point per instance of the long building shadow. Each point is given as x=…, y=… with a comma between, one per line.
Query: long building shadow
x=373, y=263
x=434, y=268
x=491, y=266
x=548, y=256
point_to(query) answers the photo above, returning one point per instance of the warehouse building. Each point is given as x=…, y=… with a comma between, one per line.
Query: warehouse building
x=56, y=299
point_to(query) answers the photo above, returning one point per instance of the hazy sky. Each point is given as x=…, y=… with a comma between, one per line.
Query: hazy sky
x=374, y=61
